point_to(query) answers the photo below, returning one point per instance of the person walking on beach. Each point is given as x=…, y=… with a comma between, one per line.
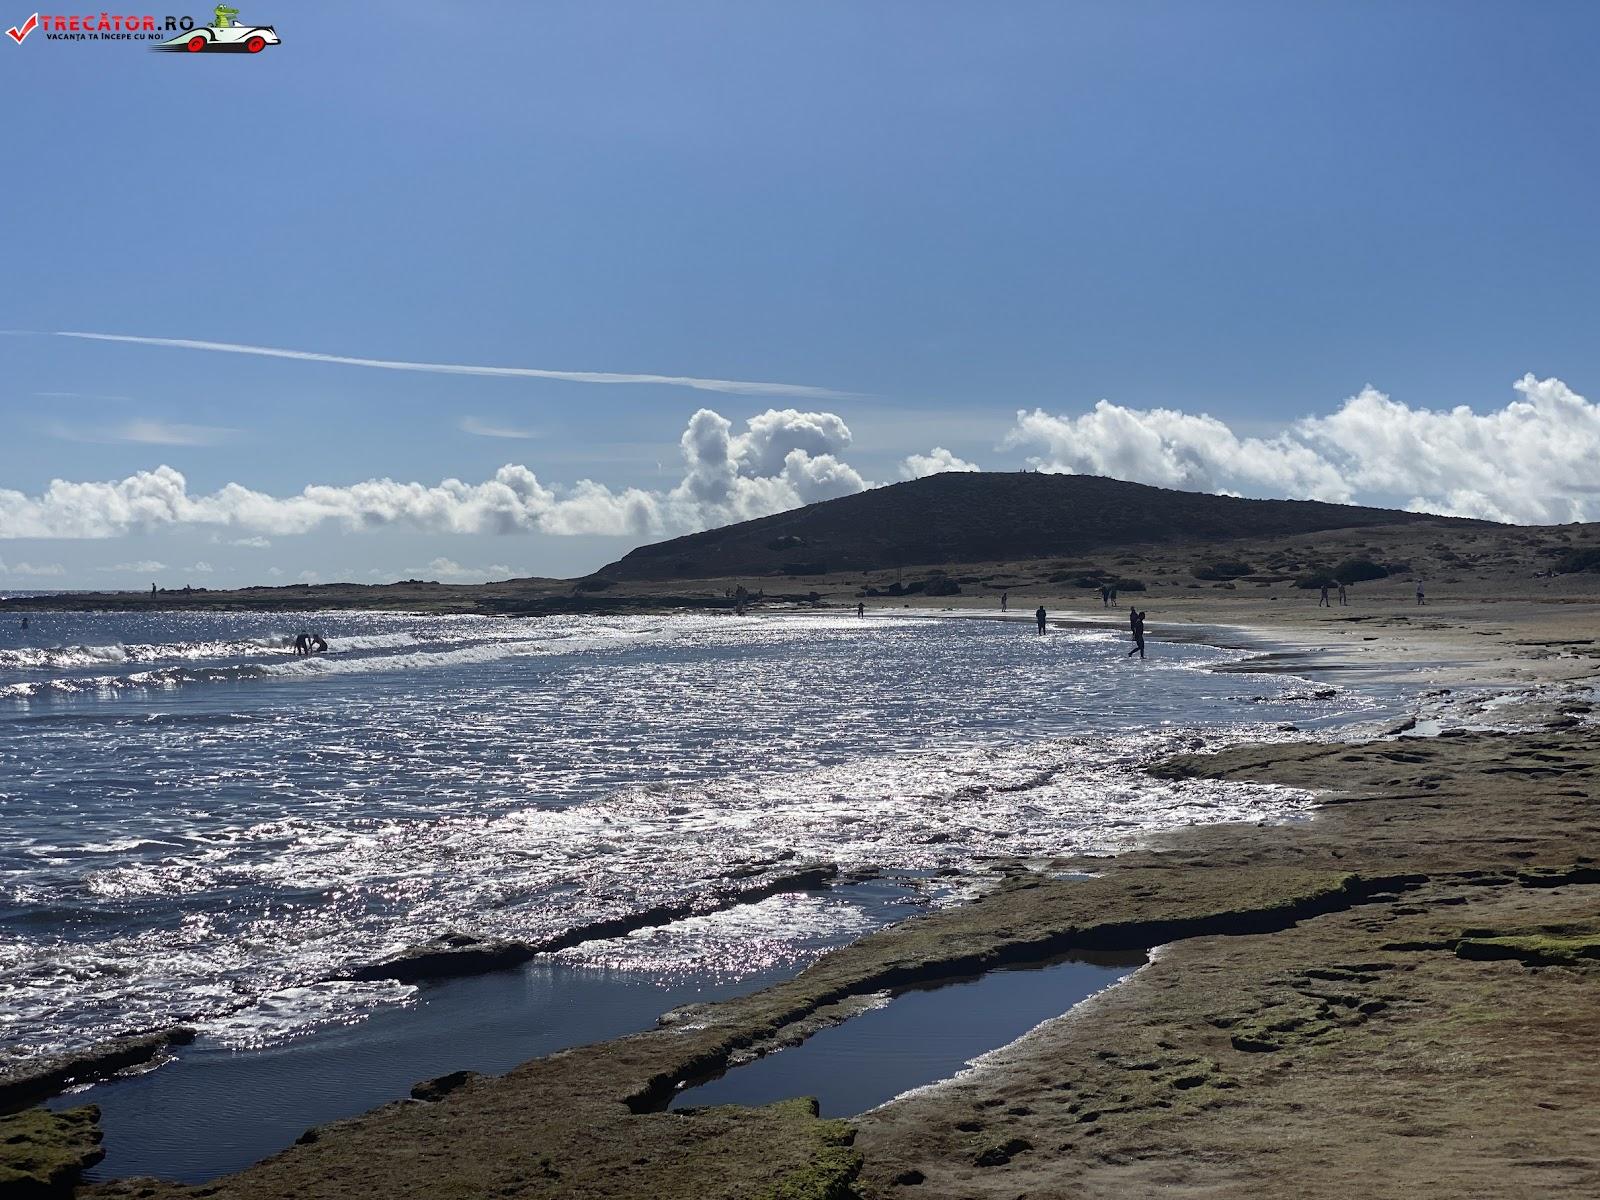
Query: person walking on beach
x=1113, y=593
x=1136, y=624
x=1419, y=592
x=1342, y=600
x=861, y=609
x=1323, y=601
x=1038, y=616
x=1005, y=599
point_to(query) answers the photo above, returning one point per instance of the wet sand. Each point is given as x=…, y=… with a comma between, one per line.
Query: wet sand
x=1394, y=997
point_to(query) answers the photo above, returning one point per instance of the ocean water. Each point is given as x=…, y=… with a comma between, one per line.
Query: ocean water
x=200, y=827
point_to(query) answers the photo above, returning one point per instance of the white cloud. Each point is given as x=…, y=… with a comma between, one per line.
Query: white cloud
x=741, y=387
x=1532, y=461
x=202, y=568
x=935, y=462
x=162, y=433
x=483, y=429
x=771, y=437
x=143, y=567
x=31, y=570
x=780, y=460
x=1536, y=460
x=147, y=433
x=253, y=543
x=445, y=569
x=1174, y=449
x=783, y=459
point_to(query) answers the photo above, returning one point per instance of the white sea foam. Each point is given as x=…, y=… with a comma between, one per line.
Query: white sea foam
x=59, y=658
x=284, y=1014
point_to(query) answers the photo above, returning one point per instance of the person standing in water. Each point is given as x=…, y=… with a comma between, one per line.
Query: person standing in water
x=1038, y=616
x=1136, y=626
x=861, y=609
x=302, y=644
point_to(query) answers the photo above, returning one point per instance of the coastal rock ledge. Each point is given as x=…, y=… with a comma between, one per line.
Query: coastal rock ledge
x=455, y=954
x=45, y=1077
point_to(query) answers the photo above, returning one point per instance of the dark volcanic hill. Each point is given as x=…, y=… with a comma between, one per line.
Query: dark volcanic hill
x=983, y=517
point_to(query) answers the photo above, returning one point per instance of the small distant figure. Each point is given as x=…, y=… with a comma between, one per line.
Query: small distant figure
x=318, y=645
x=1113, y=593
x=1105, y=596
x=1136, y=626
x=1038, y=617
x=1343, y=600
x=1005, y=599
x=302, y=644
x=1419, y=592
x=1324, y=602
x=24, y=622
x=740, y=595
x=861, y=609
x=152, y=591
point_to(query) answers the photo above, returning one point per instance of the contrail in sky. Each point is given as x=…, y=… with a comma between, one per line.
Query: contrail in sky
x=737, y=386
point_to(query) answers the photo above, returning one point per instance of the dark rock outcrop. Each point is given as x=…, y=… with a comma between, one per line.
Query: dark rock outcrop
x=438, y=1089
x=453, y=954
x=42, y=1078
x=457, y=954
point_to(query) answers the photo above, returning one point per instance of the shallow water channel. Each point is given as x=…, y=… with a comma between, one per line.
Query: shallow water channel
x=920, y=1036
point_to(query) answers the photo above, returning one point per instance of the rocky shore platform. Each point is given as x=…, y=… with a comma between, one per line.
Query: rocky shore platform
x=1396, y=997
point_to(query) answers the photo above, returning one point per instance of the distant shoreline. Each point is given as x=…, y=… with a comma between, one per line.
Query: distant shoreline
x=1494, y=611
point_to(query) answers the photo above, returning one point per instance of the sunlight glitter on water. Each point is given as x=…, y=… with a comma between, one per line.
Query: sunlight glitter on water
x=258, y=822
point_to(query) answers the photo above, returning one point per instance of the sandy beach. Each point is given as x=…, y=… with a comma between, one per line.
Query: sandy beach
x=1493, y=611
x=1386, y=992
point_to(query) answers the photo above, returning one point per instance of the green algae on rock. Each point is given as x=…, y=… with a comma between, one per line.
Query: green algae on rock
x=42, y=1153
x=834, y=1163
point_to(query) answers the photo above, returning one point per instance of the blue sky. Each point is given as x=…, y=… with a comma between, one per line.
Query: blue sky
x=945, y=212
